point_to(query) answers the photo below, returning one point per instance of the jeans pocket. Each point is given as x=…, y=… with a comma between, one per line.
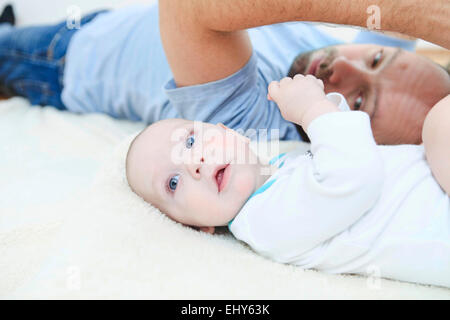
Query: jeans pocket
x=38, y=92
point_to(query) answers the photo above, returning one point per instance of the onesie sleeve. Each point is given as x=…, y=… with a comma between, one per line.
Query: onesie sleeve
x=323, y=194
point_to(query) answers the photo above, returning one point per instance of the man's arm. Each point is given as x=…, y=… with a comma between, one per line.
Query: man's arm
x=205, y=40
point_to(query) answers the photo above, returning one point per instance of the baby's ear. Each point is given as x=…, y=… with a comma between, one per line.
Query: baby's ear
x=209, y=230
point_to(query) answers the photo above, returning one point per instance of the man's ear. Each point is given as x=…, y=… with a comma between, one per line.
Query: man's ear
x=209, y=230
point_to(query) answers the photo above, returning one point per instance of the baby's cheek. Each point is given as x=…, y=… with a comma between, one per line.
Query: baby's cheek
x=244, y=184
x=200, y=208
x=198, y=200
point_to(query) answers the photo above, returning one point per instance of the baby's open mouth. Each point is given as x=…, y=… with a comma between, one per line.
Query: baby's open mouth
x=221, y=177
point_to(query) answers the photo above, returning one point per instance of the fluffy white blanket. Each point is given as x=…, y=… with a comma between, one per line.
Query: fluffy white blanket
x=70, y=227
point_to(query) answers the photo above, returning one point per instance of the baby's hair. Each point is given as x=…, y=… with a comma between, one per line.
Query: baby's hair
x=127, y=169
x=127, y=159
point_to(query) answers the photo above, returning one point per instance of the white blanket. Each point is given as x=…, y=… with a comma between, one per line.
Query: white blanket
x=70, y=227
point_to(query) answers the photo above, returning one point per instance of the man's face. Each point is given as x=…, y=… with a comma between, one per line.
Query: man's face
x=395, y=87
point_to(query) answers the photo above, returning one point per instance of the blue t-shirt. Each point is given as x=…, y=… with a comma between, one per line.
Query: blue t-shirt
x=116, y=65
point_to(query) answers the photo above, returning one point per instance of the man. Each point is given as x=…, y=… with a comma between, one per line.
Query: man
x=116, y=65
x=395, y=87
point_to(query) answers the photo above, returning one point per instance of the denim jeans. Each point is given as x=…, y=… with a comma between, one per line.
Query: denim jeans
x=32, y=61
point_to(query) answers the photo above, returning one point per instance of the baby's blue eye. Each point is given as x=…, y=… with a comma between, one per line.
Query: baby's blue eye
x=190, y=141
x=173, y=182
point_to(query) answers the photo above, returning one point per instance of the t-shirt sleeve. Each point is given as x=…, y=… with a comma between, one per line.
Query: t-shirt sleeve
x=238, y=101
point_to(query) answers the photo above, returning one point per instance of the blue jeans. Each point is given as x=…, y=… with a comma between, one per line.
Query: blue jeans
x=32, y=61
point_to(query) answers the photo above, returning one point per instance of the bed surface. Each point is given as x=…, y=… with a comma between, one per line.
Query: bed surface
x=70, y=228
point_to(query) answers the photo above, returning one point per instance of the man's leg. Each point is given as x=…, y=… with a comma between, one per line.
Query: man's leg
x=32, y=61
x=436, y=140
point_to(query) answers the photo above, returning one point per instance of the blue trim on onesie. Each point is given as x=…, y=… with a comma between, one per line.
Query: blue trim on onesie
x=261, y=189
x=274, y=159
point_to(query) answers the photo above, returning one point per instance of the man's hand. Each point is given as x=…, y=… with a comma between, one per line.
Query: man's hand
x=300, y=99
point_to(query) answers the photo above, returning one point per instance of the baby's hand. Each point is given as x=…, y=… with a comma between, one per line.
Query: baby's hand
x=301, y=99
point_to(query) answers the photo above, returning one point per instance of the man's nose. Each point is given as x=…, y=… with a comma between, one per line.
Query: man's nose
x=346, y=71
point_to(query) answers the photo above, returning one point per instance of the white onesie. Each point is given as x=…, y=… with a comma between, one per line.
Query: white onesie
x=350, y=206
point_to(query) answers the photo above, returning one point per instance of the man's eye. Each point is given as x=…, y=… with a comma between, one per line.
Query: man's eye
x=358, y=103
x=377, y=59
x=190, y=141
x=173, y=182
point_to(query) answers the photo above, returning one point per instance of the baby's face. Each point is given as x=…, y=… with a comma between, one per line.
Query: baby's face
x=199, y=174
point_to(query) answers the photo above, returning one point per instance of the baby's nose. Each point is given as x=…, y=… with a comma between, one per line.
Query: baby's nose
x=195, y=168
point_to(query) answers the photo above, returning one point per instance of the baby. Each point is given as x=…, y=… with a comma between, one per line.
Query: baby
x=346, y=206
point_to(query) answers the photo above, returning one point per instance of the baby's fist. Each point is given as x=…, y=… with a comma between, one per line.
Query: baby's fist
x=294, y=96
